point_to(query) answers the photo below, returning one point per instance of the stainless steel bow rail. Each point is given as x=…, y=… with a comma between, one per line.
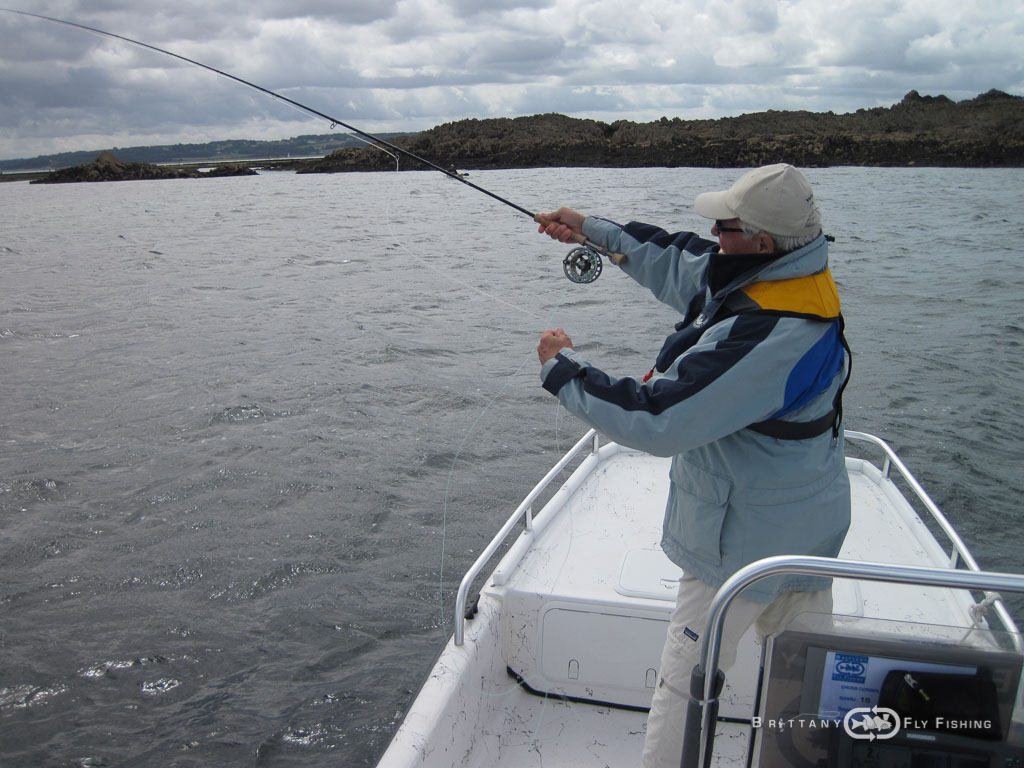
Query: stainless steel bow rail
x=958, y=553
x=523, y=512
x=699, y=736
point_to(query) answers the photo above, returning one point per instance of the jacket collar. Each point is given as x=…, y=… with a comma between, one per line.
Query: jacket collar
x=727, y=272
x=730, y=272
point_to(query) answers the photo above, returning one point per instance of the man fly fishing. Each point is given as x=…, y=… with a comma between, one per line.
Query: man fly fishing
x=745, y=396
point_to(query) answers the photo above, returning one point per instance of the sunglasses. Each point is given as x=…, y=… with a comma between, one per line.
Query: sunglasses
x=722, y=228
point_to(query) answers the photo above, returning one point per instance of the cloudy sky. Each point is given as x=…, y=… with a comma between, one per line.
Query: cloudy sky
x=394, y=65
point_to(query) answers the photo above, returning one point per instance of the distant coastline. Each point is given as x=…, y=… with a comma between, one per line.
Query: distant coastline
x=209, y=153
x=986, y=131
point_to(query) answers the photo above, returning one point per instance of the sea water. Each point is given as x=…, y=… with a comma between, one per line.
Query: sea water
x=255, y=429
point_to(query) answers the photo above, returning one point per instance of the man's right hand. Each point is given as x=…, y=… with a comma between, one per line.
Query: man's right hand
x=562, y=225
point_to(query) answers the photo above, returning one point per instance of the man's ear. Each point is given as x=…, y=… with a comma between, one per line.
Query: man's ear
x=765, y=243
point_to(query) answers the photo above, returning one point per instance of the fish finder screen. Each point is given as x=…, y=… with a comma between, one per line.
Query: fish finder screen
x=852, y=680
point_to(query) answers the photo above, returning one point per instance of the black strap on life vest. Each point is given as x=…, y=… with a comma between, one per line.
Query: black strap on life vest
x=796, y=430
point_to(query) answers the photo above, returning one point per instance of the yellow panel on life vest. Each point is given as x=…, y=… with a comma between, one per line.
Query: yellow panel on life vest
x=814, y=295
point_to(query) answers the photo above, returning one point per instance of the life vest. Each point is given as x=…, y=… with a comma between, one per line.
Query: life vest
x=813, y=297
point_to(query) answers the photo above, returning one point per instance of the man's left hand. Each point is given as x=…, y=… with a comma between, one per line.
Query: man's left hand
x=551, y=342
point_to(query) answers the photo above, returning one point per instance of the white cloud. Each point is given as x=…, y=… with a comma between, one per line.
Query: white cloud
x=410, y=64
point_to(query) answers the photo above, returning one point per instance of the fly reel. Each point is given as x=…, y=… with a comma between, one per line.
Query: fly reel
x=582, y=265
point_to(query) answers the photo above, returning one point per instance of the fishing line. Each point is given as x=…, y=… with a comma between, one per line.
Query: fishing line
x=582, y=265
x=451, y=277
x=443, y=618
x=398, y=241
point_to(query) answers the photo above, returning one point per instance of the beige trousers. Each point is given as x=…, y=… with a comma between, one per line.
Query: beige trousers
x=663, y=745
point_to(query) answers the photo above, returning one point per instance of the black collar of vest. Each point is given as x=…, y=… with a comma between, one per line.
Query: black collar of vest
x=727, y=271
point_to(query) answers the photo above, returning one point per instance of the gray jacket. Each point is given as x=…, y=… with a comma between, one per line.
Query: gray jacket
x=761, y=343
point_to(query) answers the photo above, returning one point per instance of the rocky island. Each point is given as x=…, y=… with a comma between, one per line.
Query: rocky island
x=987, y=131
x=108, y=167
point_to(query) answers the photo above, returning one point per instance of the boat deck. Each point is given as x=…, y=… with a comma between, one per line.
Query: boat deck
x=578, y=608
x=536, y=733
x=604, y=542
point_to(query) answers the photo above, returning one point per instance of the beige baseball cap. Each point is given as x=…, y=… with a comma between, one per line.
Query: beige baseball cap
x=777, y=199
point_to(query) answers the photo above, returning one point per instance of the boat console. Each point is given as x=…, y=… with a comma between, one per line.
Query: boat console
x=865, y=693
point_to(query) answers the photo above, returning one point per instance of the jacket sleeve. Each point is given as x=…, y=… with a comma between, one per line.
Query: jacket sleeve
x=672, y=266
x=739, y=373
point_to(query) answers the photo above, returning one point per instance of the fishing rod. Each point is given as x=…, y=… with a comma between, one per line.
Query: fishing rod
x=581, y=265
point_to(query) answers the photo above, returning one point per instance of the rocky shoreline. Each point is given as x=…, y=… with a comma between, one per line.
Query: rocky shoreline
x=108, y=167
x=986, y=131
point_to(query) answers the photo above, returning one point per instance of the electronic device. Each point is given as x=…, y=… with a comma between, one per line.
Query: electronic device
x=878, y=694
